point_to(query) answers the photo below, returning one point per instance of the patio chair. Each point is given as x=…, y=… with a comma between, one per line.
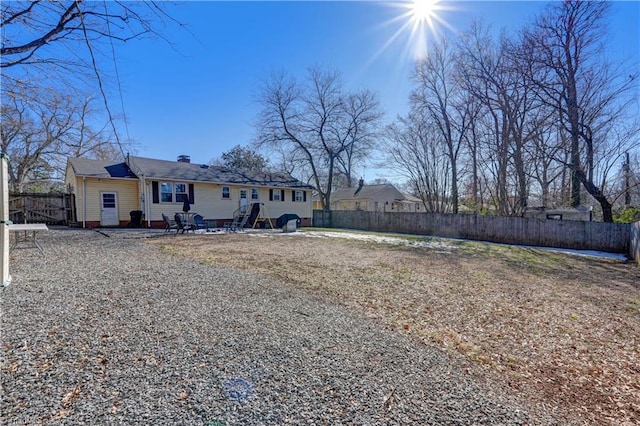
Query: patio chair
x=199, y=222
x=182, y=225
x=168, y=223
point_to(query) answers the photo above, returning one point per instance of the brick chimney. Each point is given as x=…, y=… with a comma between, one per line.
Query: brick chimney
x=184, y=159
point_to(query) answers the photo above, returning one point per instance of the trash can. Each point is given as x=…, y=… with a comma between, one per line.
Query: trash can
x=136, y=219
x=290, y=226
x=282, y=220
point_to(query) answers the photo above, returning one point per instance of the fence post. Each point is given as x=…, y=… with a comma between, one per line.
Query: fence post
x=634, y=242
x=4, y=220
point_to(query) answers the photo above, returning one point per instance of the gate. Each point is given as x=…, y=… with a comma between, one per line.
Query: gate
x=52, y=209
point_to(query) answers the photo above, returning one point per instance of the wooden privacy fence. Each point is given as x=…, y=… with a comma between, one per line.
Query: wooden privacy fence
x=52, y=209
x=609, y=237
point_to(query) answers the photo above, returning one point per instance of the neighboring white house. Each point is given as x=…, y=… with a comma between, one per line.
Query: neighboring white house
x=384, y=197
x=107, y=191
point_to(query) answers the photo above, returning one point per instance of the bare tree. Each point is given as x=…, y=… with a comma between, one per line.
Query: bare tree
x=545, y=149
x=541, y=111
x=380, y=181
x=495, y=78
x=30, y=28
x=59, y=44
x=50, y=55
x=40, y=130
x=472, y=141
x=362, y=116
x=416, y=148
x=589, y=95
x=315, y=122
x=437, y=94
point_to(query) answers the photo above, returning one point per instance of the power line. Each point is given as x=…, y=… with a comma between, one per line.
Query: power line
x=115, y=66
x=102, y=92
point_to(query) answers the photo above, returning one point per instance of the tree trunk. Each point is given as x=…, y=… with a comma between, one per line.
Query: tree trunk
x=595, y=192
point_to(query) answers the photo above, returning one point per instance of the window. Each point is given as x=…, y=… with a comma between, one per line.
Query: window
x=166, y=192
x=298, y=196
x=181, y=192
x=276, y=195
x=172, y=192
x=254, y=193
x=109, y=200
x=226, y=192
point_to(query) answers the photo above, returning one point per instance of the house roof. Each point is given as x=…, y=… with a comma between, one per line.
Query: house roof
x=410, y=198
x=365, y=193
x=100, y=169
x=174, y=170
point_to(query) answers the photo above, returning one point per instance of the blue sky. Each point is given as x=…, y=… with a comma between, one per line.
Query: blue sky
x=197, y=96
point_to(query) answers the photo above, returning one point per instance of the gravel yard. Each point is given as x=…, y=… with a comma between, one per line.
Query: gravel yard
x=115, y=330
x=560, y=333
x=226, y=329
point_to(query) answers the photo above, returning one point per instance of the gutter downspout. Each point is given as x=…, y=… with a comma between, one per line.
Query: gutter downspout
x=147, y=213
x=145, y=204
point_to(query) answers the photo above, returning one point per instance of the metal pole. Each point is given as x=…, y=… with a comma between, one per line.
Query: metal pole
x=84, y=202
x=4, y=219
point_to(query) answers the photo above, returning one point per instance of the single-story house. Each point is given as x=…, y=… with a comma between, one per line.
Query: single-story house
x=106, y=192
x=384, y=197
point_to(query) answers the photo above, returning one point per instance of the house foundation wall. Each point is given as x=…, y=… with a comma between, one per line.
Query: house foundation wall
x=159, y=224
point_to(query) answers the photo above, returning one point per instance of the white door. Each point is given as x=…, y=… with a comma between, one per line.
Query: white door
x=109, y=209
x=243, y=201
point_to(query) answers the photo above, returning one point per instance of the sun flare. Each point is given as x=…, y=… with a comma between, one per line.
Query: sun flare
x=423, y=10
x=416, y=23
x=423, y=19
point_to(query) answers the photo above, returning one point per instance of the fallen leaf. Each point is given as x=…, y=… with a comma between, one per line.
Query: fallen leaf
x=71, y=396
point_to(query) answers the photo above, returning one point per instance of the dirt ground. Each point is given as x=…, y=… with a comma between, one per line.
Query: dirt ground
x=560, y=331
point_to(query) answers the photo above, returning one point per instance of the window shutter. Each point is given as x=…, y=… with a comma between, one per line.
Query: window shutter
x=282, y=195
x=293, y=196
x=154, y=190
x=271, y=195
x=191, y=194
x=304, y=196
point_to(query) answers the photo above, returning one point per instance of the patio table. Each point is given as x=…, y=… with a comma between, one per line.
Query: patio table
x=26, y=228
